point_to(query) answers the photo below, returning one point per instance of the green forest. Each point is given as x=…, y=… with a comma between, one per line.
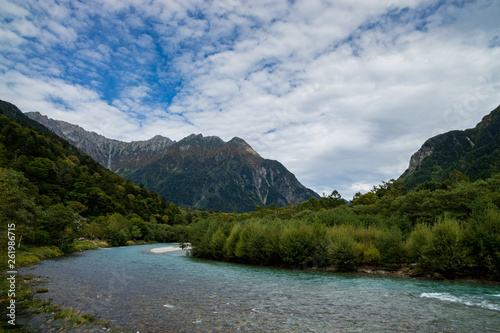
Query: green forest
x=443, y=230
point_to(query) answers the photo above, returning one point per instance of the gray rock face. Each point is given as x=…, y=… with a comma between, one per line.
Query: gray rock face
x=118, y=156
x=417, y=158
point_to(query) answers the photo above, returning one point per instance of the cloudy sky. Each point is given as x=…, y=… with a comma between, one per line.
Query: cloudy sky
x=342, y=92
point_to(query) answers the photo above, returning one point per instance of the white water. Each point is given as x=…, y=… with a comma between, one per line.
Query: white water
x=469, y=300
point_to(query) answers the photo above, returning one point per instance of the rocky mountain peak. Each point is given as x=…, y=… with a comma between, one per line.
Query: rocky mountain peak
x=243, y=144
x=202, y=141
x=117, y=156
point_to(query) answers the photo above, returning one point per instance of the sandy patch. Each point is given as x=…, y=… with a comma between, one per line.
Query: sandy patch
x=167, y=249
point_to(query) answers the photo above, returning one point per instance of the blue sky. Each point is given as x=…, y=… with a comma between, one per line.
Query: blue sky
x=341, y=92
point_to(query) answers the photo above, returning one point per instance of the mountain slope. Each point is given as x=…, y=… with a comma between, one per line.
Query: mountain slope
x=474, y=152
x=117, y=156
x=206, y=172
x=197, y=171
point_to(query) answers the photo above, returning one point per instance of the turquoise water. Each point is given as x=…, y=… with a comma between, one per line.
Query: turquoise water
x=141, y=291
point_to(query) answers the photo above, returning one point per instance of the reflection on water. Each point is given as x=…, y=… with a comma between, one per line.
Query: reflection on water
x=146, y=292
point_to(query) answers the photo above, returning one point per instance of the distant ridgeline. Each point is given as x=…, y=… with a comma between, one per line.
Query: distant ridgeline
x=200, y=172
x=474, y=152
x=54, y=193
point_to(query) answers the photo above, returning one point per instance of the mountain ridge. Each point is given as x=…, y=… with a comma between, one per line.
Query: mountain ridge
x=199, y=171
x=108, y=152
x=475, y=152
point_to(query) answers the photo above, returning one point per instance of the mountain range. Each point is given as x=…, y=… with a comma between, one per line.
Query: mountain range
x=474, y=152
x=197, y=171
x=208, y=173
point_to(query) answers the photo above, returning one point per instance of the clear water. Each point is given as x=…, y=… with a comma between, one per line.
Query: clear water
x=141, y=291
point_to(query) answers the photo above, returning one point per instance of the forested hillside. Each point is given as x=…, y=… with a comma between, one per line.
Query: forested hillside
x=53, y=193
x=475, y=152
x=444, y=229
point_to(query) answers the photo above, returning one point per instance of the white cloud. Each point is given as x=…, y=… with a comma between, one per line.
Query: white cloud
x=72, y=103
x=341, y=92
x=10, y=41
x=9, y=9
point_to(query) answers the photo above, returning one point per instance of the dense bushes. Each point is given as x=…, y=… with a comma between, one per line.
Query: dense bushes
x=448, y=231
x=296, y=243
x=448, y=247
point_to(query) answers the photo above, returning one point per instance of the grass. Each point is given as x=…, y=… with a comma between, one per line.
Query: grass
x=66, y=314
x=83, y=319
x=85, y=245
x=38, y=306
x=29, y=255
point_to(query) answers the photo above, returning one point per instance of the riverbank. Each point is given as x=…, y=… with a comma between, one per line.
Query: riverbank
x=406, y=273
x=166, y=249
x=378, y=271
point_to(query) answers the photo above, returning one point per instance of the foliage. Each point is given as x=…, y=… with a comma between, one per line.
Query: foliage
x=54, y=194
x=342, y=250
x=482, y=237
x=297, y=244
x=444, y=251
x=448, y=229
x=33, y=254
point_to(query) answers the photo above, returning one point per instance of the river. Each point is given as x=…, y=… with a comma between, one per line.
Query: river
x=141, y=291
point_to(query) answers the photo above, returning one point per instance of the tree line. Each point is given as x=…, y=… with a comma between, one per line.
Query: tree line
x=448, y=229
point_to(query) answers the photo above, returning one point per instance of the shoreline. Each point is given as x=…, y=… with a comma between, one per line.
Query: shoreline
x=405, y=273
x=165, y=249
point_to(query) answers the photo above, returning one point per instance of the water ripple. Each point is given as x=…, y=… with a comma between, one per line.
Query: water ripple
x=140, y=291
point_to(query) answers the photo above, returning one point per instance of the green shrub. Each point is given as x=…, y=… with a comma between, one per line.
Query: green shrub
x=255, y=243
x=230, y=244
x=297, y=244
x=445, y=252
x=337, y=216
x=483, y=239
x=369, y=254
x=390, y=245
x=417, y=242
x=342, y=251
x=116, y=237
x=217, y=244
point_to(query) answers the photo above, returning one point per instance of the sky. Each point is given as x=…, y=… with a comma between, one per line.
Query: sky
x=341, y=92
